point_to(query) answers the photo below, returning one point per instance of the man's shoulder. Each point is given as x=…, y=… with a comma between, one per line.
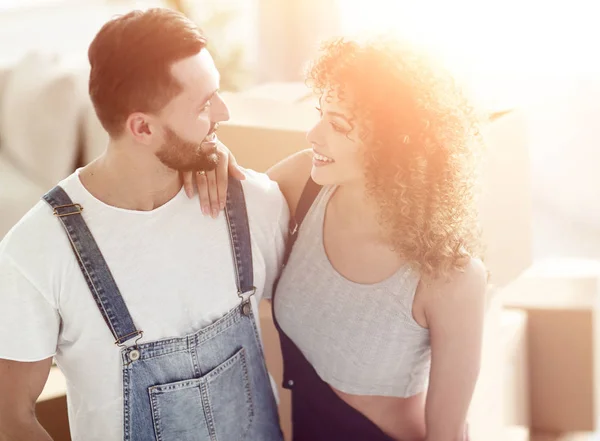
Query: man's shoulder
x=32, y=232
x=262, y=193
x=37, y=234
x=259, y=185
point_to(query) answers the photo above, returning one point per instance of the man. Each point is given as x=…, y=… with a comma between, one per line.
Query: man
x=148, y=308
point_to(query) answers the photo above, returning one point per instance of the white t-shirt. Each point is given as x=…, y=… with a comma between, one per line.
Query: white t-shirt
x=174, y=269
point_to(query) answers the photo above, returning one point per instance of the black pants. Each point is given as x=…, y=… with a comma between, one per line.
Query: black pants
x=318, y=413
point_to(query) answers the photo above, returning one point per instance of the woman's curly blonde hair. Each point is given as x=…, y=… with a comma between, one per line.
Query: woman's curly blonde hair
x=422, y=146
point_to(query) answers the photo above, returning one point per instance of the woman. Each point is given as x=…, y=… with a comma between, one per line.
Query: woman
x=380, y=306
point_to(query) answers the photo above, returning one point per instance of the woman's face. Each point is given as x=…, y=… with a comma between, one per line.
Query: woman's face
x=338, y=154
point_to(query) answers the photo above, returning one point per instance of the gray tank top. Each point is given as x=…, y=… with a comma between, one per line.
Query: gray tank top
x=361, y=339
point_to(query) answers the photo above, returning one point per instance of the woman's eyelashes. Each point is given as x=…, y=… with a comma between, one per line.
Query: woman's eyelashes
x=335, y=126
x=339, y=129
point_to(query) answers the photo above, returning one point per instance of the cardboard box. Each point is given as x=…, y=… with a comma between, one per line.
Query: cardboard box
x=516, y=368
x=272, y=350
x=262, y=131
x=51, y=407
x=505, y=206
x=561, y=301
x=517, y=433
x=268, y=123
x=569, y=436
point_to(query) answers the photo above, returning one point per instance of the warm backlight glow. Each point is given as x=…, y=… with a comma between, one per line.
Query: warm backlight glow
x=505, y=50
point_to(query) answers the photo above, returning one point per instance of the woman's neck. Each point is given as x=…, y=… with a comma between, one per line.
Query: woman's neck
x=354, y=210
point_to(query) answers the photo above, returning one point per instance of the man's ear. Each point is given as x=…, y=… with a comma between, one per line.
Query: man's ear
x=140, y=127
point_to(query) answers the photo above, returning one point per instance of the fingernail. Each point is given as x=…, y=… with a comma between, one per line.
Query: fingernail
x=222, y=204
x=215, y=213
x=205, y=209
x=188, y=193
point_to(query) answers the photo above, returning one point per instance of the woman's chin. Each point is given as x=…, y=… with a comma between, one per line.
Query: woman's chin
x=322, y=176
x=331, y=176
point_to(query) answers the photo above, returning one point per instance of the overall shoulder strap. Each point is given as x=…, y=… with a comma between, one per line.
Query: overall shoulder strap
x=239, y=233
x=308, y=196
x=93, y=266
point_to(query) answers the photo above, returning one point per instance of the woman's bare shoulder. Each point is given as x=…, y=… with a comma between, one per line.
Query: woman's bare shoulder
x=461, y=290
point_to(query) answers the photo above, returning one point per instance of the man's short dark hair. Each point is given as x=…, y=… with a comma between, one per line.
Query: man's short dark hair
x=130, y=60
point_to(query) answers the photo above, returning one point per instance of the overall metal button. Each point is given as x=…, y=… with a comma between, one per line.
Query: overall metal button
x=290, y=383
x=134, y=355
x=246, y=309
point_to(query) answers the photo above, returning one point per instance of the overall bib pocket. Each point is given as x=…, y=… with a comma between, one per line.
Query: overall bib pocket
x=216, y=406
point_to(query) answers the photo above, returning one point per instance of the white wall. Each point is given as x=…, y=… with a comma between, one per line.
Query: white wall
x=67, y=27
x=289, y=32
x=565, y=153
x=59, y=26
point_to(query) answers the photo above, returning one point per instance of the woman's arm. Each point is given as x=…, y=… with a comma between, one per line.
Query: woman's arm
x=291, y=174
x=454, y=311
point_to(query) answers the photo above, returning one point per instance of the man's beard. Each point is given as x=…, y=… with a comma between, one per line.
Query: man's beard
x=185, y=156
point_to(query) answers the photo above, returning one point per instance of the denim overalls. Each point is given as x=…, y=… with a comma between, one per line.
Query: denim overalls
x=211, y=385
